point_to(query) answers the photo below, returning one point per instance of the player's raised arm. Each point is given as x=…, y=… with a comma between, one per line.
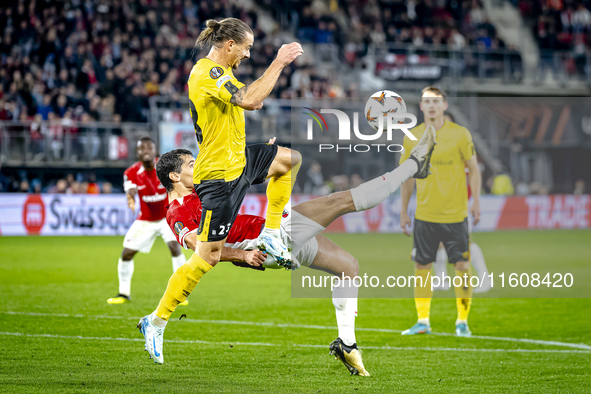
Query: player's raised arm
x=251, y=97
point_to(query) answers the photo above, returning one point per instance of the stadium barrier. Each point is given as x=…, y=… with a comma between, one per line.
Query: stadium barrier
x=84, y=214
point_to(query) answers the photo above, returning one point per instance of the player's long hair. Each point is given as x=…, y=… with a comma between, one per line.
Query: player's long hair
x=218, y=32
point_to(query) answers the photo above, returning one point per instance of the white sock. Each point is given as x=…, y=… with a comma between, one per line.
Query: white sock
x=372, y=193
x=178, y=261
x=272, y=232
x=424, y=321
x=440, y=266
x=344, y=299
x=477, y=259
x=158, y=322
x=125, y=271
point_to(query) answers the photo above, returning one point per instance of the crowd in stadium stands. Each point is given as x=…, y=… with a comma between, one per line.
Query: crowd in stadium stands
x=96, y=60
x=92, y=60
x=559, y=24
x=79, y=184
x=355, y=24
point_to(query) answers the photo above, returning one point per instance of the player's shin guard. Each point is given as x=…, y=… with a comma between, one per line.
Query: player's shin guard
x=278, y=194
x=125, y=273
x=423, y=294
x=344, y=299
x=372, y=193
x=178, y=261
x=181, y=284
x=463, y=294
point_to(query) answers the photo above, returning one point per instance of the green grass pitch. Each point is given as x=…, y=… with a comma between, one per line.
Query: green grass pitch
x=243, y=333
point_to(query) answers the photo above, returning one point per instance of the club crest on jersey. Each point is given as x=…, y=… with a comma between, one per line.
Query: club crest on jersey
x=285, y=214
x=216, y=72
x=178, y=227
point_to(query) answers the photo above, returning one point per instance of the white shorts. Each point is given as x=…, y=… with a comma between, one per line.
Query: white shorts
x=142, y=234
x=302, y=236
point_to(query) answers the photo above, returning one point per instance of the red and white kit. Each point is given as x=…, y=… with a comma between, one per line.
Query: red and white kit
x=184, y=216
x=151, y=221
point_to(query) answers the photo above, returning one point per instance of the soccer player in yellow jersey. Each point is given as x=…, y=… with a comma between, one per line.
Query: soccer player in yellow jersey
x=442, y=209
x=225, y=167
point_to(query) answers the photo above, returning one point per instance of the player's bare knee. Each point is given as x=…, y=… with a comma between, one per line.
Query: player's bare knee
x=352, y=267
x=175, y=248
x=127, y=254
x=296, y=158
x=462, y=265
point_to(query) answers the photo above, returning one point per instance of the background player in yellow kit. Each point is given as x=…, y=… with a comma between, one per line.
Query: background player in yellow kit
x=442, y=208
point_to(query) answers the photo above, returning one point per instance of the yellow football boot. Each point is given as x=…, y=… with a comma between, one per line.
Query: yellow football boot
x=119, y=299
x=349, y=355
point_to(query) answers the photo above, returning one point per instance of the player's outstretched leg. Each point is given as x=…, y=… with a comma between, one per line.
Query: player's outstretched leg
x=323, y=211
x=180, y=286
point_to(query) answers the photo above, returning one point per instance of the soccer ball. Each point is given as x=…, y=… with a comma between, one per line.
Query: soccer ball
x=381, y=104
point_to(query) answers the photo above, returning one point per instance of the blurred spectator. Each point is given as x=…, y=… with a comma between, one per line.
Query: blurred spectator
x=24, y=186
x=36, y=186
x=93, y=187
x=314, y=179
x=522, y=189
x=579, y=187
x=107, y=188
x=502, y=185
x=60, y=187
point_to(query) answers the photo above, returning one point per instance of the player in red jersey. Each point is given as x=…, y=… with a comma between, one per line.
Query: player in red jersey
x=140, y=179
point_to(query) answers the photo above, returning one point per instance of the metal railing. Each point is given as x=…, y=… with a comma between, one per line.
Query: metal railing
x=65, y=143
x=469, y=61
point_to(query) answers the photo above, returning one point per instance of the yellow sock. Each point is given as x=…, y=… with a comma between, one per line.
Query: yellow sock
x=423, y=294
x=464, y=295
x=181, y=284
x=278, y=193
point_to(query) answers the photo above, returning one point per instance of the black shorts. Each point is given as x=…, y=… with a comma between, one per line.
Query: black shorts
x=221, y=200
x=427, y=236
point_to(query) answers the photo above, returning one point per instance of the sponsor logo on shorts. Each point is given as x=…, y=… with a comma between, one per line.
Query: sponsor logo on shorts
x=216, y=72
x=178, y=227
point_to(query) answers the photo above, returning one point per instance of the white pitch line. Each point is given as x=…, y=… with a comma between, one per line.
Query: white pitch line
x=181, y=341
x=581, y=346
